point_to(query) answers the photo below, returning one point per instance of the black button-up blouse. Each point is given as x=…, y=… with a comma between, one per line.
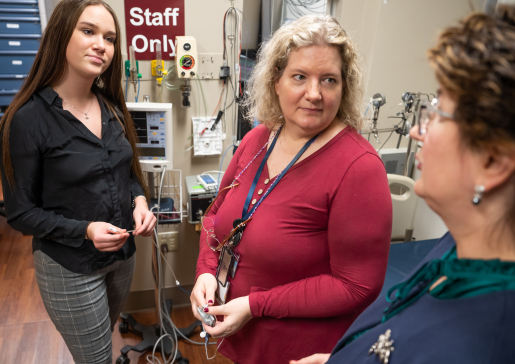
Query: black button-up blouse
x=66, y=177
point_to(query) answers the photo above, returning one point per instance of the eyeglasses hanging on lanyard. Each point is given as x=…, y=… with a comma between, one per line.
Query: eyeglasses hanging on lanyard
x=216, y=245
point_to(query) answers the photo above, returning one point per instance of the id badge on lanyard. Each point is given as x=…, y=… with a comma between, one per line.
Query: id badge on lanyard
x=227, y=265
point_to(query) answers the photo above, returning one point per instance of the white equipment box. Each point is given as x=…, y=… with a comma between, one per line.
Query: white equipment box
x=394, y=160
x=205, y=141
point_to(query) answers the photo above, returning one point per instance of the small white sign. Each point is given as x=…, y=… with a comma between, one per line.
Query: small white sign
x=13, y=26
x=14, y=43
x=17, y=63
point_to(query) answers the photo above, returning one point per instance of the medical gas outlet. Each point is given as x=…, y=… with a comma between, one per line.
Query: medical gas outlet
x=186, y=64
x=186, y=57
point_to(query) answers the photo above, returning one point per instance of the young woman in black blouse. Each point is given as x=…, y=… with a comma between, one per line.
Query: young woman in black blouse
x=71, y=175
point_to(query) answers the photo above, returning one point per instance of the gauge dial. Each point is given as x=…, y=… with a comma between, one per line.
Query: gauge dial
x=187, y=62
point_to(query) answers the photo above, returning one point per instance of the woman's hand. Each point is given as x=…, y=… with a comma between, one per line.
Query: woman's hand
x=236, y=314
x=104, y=239
x=144, y=219
x=313, y=359
x=203, y=293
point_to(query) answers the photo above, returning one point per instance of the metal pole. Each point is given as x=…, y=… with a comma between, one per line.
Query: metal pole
x=408, y=152
x=385, y=130
x=490, y=6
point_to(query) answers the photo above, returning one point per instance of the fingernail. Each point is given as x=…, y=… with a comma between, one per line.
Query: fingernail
x=210, y=301
x=206, y=310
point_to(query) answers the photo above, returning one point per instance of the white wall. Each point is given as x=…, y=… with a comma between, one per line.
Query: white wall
x=394, y=38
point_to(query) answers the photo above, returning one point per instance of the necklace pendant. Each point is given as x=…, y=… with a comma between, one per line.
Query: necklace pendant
x=383, y=347
x=87, y=118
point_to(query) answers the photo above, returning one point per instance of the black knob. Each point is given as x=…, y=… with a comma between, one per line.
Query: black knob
x=183, y=73
x=192, y=73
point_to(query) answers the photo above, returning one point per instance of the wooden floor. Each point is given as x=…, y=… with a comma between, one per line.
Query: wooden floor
x=28, y=336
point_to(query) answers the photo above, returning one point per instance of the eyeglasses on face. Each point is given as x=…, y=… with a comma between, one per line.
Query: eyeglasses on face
x=427, y=113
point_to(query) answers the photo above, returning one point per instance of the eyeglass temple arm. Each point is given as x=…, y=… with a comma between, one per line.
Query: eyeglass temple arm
x=219, y=192
x=232, y=234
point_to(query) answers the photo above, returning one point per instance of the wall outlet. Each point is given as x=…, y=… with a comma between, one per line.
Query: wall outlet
x=209, y=65
x=170, y=239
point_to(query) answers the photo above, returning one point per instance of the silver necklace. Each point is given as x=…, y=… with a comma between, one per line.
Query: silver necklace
x=85, y=113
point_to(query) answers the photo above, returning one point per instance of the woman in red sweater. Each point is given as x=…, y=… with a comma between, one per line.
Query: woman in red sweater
x=303, y=219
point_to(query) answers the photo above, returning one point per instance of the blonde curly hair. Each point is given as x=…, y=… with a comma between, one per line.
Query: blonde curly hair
x=322, y=30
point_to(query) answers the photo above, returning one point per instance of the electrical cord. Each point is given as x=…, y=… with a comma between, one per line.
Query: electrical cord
x=160, y=286
x=236, y=53
x=207, y=356
x=159, y=283
x=126, y=83
x=203, y=96
x=214, y=112
x=385, y=142
x=368, y=106
x=300, y=8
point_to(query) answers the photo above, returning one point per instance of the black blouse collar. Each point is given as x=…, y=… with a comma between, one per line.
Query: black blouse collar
x=48, y=94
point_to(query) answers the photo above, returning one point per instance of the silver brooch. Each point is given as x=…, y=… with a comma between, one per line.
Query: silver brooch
x=383, y=347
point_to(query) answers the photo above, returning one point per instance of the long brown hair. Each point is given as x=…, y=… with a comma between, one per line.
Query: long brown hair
x=49, y=67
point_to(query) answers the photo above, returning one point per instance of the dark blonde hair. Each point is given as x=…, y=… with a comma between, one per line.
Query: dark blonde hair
x=475, y=62
x=273, y=57
x=49, y=67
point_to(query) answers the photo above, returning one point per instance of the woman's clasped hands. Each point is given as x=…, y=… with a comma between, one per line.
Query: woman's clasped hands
x=236, y=313
x=109, y=238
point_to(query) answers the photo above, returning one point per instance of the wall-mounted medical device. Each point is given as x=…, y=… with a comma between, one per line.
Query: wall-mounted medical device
x=158, y=66
x=153, y=123
x=132, y=70
x=186, y=56
x=186, y=64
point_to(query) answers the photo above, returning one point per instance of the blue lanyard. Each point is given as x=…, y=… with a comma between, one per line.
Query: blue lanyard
x=244, y=215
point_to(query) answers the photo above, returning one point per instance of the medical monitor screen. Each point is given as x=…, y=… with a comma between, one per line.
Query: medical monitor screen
x=150, y=129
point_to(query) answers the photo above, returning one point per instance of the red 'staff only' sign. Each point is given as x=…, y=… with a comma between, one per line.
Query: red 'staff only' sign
x=154, y=21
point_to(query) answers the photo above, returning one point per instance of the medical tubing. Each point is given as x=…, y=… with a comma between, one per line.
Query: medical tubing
x=160, y=282
x=220, y=169
x=207, y=356
x=137, y=96
x=203, y=96
x=185, y=291
x=183, y=336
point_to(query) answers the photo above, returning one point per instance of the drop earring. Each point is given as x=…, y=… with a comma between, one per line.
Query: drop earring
x=479, y=189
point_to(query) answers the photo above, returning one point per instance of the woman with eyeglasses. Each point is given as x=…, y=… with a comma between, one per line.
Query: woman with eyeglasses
x=297, y=242
x=458, y=306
